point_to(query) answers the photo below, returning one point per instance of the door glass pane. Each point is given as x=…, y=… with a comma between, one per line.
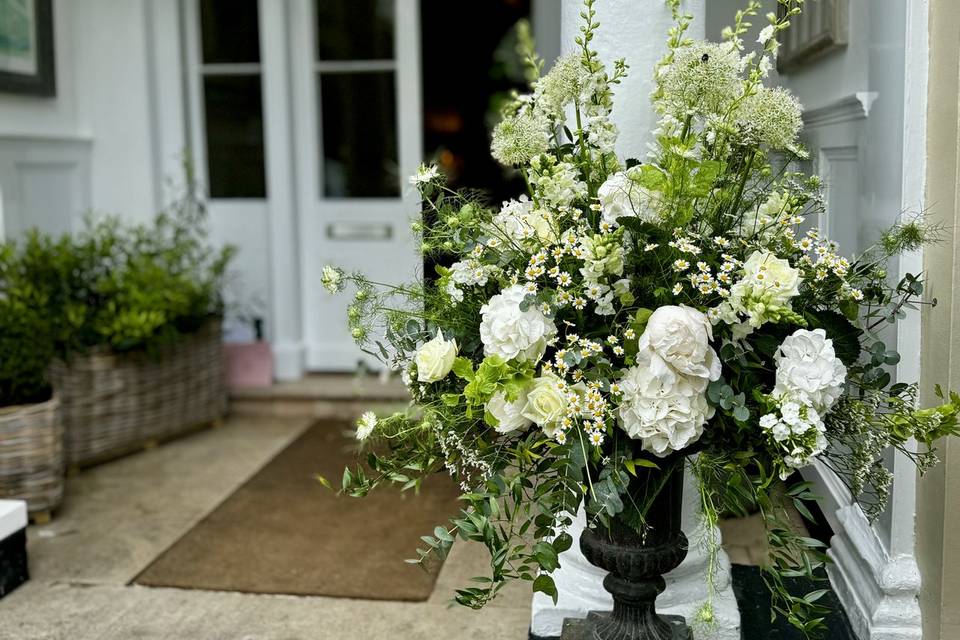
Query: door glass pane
x=359, y=125
x=229, y=31
x=354, y=29
x=234, y=121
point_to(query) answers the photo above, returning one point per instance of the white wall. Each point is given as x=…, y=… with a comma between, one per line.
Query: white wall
x=95, y=131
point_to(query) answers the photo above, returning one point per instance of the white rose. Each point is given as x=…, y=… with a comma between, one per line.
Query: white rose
x=681, y=336
x=770, y=276
x=621, y=197
x=808, y=370
x=546, y=403
x=435, y=358
x=509, y=415
x=665, y=409
x=510, y=333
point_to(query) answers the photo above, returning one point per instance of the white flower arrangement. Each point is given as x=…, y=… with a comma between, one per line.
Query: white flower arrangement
x=649, y=315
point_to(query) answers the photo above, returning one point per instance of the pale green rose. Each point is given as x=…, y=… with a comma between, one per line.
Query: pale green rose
x=546, y=403
x=435, y=358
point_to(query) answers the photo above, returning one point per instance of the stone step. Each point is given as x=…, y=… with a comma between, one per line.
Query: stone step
x=337, y=396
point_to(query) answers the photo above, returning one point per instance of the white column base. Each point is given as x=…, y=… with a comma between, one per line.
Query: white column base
x=878, y=592
x=580, y=584
x=288, y=361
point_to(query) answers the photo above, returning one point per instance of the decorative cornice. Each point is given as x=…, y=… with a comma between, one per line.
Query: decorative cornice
x=854, y=107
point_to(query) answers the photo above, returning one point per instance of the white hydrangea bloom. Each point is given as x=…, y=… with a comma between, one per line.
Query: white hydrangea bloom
x=622, y=197
x=518, y=138
x=510, y=333
x=666, y=409
x=509, y=415
x=808, y=370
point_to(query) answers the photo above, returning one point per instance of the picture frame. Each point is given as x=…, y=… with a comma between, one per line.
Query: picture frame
x=27, y=47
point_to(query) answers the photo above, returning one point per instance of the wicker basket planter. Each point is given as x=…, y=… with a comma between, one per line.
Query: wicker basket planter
x=113, y=404
x=31, y=455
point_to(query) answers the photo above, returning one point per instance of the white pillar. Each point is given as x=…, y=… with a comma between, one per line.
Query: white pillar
x=636, y=31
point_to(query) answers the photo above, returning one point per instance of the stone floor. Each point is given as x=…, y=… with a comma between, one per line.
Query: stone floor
x=119, y=516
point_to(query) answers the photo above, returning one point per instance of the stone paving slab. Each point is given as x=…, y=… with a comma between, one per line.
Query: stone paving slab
x=118, y=517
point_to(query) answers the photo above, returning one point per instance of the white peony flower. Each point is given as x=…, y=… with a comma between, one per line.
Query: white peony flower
x=366, y=424
x=681, y=336
x=621, y=197
x=808, y=370
x=510, y=333
x=666, y=409
x=509, y=415
x=546, y=403
x=435, y=358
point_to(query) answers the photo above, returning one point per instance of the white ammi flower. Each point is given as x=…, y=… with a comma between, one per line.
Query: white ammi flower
x=666, y=409
x=621, y=197
x=509, y=415
x=680, y=336
x=808, y=370
x=509, y=332
x=435, y=358
x=366, y=424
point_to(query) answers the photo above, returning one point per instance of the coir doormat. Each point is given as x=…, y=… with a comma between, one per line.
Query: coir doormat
x=284, y=533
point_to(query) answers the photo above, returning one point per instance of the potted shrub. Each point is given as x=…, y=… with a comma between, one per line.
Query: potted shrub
x=139, y=333
x=31, y=440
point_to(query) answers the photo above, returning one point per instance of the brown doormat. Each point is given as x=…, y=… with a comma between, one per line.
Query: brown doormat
x=284, y=533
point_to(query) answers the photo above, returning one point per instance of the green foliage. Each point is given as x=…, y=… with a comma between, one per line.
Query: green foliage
x=114, y=284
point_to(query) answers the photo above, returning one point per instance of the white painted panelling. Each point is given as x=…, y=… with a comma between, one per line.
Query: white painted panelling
x=45, y=184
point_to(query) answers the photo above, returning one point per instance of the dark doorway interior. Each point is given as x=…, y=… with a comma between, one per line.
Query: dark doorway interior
x=470, y=64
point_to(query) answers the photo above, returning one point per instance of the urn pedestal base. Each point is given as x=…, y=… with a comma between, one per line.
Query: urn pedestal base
x=582, y=629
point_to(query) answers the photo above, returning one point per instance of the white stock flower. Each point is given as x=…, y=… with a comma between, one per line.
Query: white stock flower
x=681, y=336
x=509, y=415
x=366, y=424
x=808, y=370
x=621, y=197
x=546, y=403
x=665, y=409
x=510, y=333
x=435, y=358
x=517, y=220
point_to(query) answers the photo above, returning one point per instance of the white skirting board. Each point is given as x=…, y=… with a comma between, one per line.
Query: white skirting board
x=13, y=517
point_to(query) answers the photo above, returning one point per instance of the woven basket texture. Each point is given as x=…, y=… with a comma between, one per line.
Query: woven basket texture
x=113, y=404
x=31, y=454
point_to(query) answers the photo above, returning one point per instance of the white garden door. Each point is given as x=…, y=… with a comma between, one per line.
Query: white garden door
x=355, y=74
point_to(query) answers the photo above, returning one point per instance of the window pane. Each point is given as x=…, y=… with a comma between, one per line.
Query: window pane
x=234, y=121
x=354, y=29
x=229, y=31
x=359, y=125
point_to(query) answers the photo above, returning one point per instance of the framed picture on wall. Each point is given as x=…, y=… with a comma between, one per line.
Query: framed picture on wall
x=26, y=47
